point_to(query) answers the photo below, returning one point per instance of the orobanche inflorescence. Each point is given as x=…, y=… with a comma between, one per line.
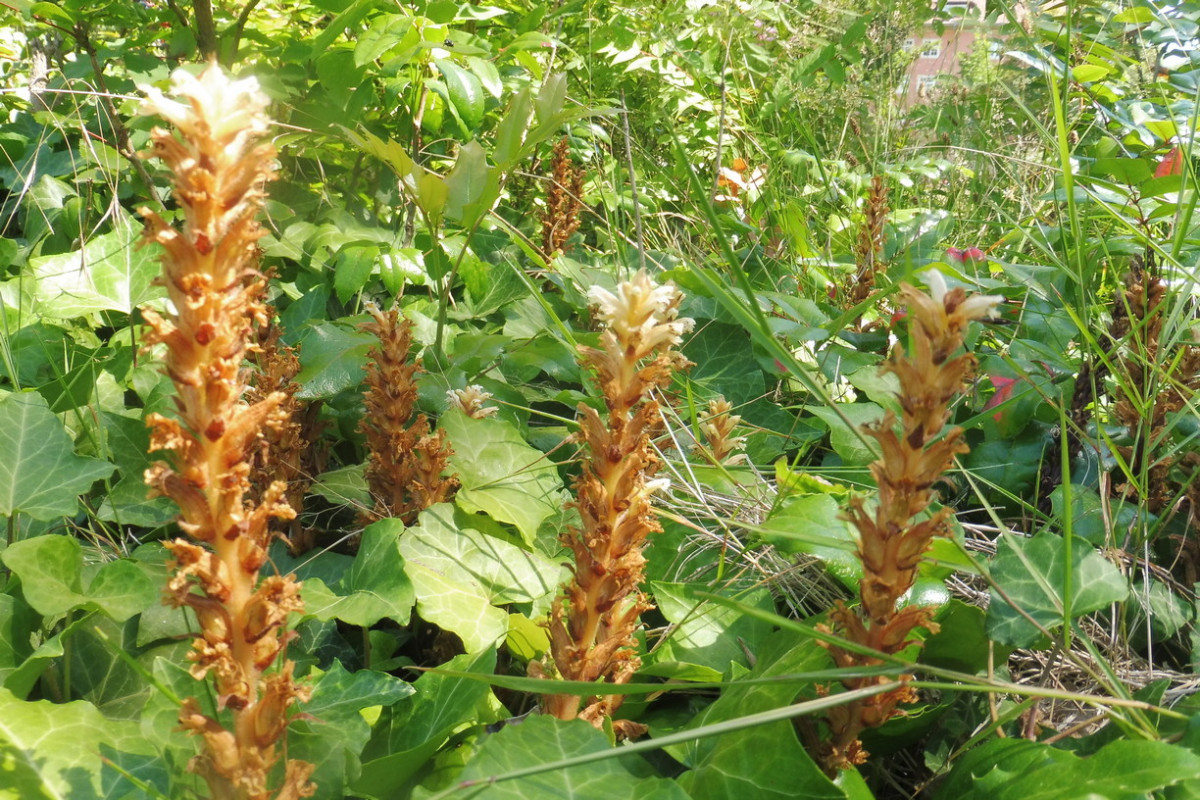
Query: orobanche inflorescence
x=592, y=626
x=219, y=168
x=914, y=456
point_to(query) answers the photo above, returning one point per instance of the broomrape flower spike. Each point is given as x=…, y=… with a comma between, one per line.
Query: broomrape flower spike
x=592, y=624
x=913, y=457
x=407, y=461
x=219, y=169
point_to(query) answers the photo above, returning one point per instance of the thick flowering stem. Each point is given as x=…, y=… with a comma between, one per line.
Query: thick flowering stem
x=210, y=269
x=592, y=626
x=913, y=457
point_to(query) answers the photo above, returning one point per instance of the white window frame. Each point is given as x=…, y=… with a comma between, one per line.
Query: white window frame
x=931, y=48
x=926, y=84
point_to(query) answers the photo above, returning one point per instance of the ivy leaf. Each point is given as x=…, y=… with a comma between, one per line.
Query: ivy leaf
x=1018, y=769
x=1032, y=574
x=52, y=750
x=724, y=364
x=411, y=731
x=848, y=441
x=51, y=573
x=40, y=475
x=500, y=474
x=730, y=765
x=540, y=739
x=110, y=273
x=813, y=524
x=332, y=356
x=504, y=571
x=374, y=587
x=332, y=732
x=706, y=634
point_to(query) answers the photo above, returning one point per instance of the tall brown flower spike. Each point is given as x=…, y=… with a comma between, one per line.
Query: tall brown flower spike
x=285, y=451
x=404, y=471
x=891, y=541
x=563, y=201
x=1158, y=383
x=869, y=244
x=592, y=626
x=210, y=270
x=717, y=427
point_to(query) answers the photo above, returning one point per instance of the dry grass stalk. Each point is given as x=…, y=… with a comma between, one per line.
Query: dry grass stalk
x=717, y=427
x=563, y=201
x=219, y=171
x=592, y=627
x=404, y=471
x=891, y=539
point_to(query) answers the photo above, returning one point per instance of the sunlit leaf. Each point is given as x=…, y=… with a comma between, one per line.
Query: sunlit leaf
x=40, y=475
x=500, y=474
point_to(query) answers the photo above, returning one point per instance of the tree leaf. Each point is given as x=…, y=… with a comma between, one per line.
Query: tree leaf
x=500, y=474
x=52, y=750
x=539, y=739
x=472, y=186
x=510, y=133
x=40, y=475
x=1032, y=574
x=465, y=90
x=51, y=572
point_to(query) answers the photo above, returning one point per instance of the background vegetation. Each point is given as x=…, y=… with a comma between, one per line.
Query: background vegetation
x=480, y=167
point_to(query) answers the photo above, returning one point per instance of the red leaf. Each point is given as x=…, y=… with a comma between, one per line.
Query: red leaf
x=1004, y=389
x=1171, y=164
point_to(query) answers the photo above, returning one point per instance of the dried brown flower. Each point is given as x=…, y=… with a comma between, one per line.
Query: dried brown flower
x=407, y=461
x=286, y=451
x=563, y=201
x=210, y=270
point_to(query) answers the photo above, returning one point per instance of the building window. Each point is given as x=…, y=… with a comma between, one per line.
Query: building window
x=926, y=84
x=910, y=44
x=931, y=48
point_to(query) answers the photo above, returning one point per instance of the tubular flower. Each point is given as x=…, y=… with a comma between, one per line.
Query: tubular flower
x=219, y=169
x=592, y=625
x=406, y=460
x=913, y=456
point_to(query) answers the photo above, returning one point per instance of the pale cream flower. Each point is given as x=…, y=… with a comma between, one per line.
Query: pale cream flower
x=642, y=313
x=233, y=112
x=471, y=401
